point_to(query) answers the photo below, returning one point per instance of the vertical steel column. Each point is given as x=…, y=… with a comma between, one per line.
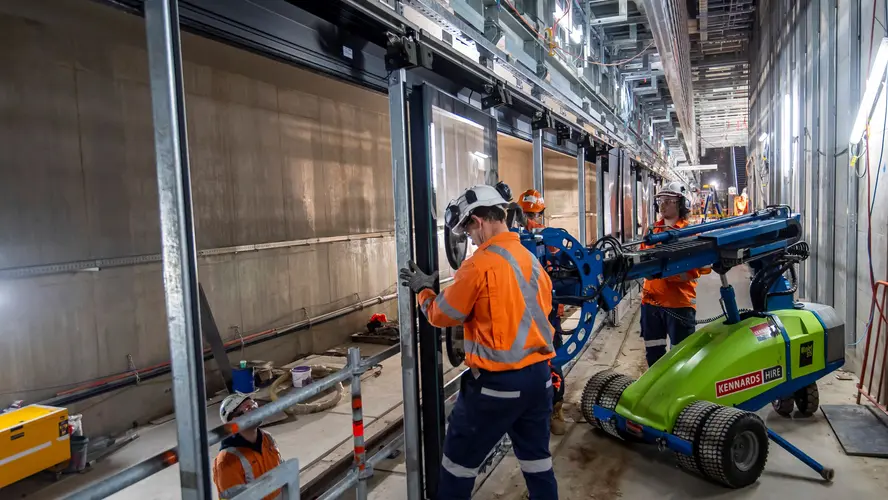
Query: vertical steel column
x=354, y=363
x=431, y=359
x=853, y=181
x=802, y=18
x=178, y=247
x=814, y=213
x=581, y=191
x=827, y=252
x=538, y=161
x=404, y=250
x=603, y=160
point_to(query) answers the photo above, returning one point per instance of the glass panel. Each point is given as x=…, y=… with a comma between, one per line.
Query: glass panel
x=612, y=213
x=627, y=179
x=643, y=204
x=561, y=191
x=515, y=163
x=461, y=158
x=591, y=203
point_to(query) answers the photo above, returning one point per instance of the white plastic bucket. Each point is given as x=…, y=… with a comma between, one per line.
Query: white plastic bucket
x=301, y=376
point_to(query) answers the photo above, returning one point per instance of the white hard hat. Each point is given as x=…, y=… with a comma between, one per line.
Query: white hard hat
x=230, y=404
x=674, y=188
x=460, y=208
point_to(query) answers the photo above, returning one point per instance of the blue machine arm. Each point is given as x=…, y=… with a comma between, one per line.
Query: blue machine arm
x=596, y=277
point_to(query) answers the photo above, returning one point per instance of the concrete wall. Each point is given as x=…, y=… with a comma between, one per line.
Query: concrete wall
x=515, y=163
x=560, y=183
x=820, y=57
x=278, y=154
x=561, y=190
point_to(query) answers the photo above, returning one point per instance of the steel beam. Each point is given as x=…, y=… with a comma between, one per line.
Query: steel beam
x=425, y=226
x=538, y=160
x=404, y=250
x=581, y=193
x=178, y=246
x=826, y=254
x=850, y=279
x=814, y=211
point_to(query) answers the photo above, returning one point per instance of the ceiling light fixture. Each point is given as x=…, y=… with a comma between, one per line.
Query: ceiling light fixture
x=686, y=168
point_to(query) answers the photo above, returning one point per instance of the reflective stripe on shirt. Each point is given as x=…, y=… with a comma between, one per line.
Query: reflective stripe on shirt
x=533, y=314
x=446, y=308
x=248, y=467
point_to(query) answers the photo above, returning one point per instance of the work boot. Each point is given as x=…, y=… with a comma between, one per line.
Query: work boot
x=558, y=425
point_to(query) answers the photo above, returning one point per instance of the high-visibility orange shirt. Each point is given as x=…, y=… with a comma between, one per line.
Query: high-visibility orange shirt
x=674, y=291
x=740, y=205
x=241, y=462
x=532, y=224
x=502, y=297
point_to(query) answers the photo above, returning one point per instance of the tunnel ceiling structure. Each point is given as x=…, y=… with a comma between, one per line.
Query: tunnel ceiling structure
x=697, y=95
x=720, y=33
x=624, y=28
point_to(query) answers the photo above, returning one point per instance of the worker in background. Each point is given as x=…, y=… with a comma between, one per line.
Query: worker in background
x=669, y=305
x=245, y=456
x=502, y=297
x=741, y=203
x=534, y=206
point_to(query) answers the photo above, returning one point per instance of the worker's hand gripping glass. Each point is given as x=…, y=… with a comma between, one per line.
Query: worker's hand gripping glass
x=416, y=280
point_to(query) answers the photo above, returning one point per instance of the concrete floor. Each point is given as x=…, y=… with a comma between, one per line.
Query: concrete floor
x=587, y=464
x=317, y=440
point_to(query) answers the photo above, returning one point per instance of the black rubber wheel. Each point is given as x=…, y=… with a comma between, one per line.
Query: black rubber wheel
x=610, y=396
x=732, y=448
x=807, y=400
x=592, y=394
x=687, y=426
x=453, y=343
x=783, y=406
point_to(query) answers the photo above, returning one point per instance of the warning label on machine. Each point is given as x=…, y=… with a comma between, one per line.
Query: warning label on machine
x=741, y=383
x=763, y=331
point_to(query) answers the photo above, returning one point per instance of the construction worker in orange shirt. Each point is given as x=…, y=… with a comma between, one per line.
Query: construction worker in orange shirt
x=534, y=206
x=741, y=203
x=245, y=456
x=502, y=297
x=669, y=305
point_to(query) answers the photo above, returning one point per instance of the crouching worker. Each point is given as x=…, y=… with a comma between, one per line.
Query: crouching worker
x=501, y=296
x=534, y=206
x=669, y=305
x=245, y=456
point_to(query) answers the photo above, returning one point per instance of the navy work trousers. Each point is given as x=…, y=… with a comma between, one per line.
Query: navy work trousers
x=517, y=403
x=658, y=323
x=557, y=342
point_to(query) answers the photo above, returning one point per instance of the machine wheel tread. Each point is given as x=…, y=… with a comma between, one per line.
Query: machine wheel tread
x=592, y=393
x=717, y=447
x=783, y=406
x=807, y=400
x=610, y=397
x=689, y=421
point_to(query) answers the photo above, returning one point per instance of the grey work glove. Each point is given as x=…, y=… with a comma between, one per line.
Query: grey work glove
x=416, y=280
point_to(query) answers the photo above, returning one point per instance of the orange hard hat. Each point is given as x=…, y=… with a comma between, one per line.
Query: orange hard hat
x=531, y=201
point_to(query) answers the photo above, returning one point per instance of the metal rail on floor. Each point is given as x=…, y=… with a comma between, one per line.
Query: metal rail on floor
x=361, y=469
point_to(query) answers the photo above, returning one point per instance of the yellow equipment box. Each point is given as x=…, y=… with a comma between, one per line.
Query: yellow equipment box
x=32, y=439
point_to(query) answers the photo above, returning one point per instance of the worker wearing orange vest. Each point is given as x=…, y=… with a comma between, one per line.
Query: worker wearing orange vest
x=669, y=305
x=741, y=203
x=502, y=297
x=534, y=206
x=245, y=456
